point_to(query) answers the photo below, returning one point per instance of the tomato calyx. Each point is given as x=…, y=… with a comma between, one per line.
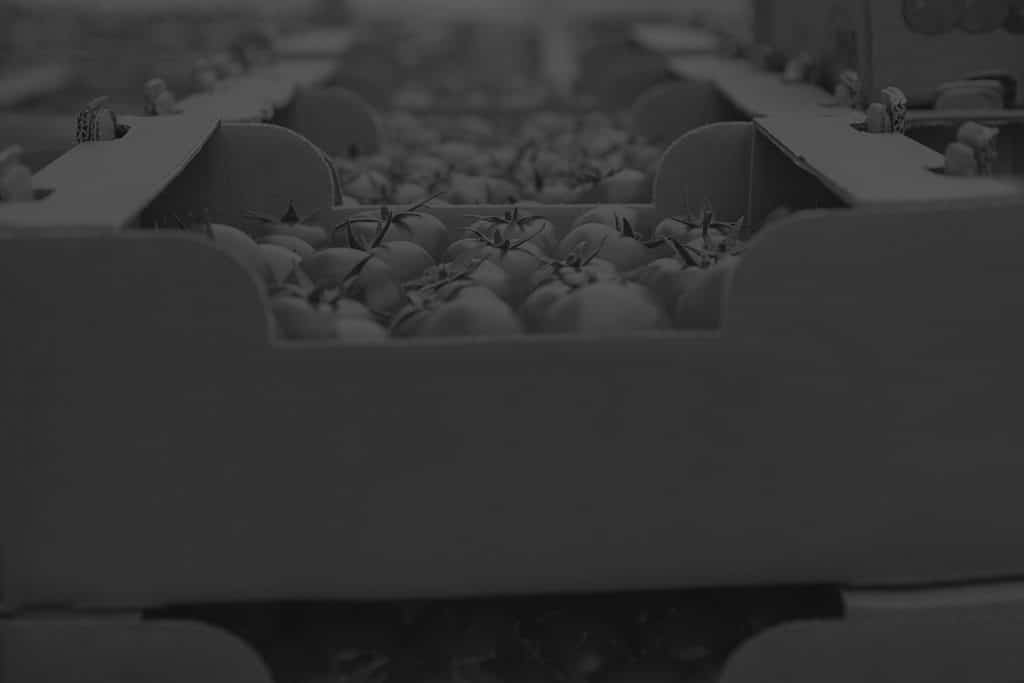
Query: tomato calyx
x=689, y=256
x=501, y=242
x=289, y=217
x=447, y=274
x=575, y=259
x=511, y=218
x=350, y=287
x=384, y=220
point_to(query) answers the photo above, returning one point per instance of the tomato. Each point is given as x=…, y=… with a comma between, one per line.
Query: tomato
x=466, y=189
x=425, y=168
x=457, y=154
x=406, y=259
x=516, y=224
x=366, y=186
x=542, y=297
x=480, y=272
x=475, y=129
x=550, y=163
x=626, y=186
x=601, y=142
x=280, y=262
x=609, y=214
x=408, y=193
x=501, y=191
x=558, y=192
x=575, y=268
x=470, y=311
x=295, y=318
x=519, y=259
x=291, y=224
x=700, y=306
x=622, y=247
x=362, y=276
x=331, y=298
x=379, y=162
x=290, y=242
x=240, y=245
x=605, y=308
x=668, y=278
x=679, y=228
x=409, y=225
x=643, y=157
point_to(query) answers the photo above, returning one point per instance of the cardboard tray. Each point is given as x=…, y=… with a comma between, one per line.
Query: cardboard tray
x=871, y=37
x=846, y=425
x=930, y=636
x=835, y=385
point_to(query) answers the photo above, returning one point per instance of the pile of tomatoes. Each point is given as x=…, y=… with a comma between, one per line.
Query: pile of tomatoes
x=547, y=157
x=402, y=273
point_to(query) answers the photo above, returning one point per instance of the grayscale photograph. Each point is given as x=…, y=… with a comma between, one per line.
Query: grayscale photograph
x=511, y=341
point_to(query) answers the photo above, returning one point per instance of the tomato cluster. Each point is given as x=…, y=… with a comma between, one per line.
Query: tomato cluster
x=385, y=274
x=550, y=157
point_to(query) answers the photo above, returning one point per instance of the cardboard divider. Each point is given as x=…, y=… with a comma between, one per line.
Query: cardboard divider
x=967, y=634
x=94, y=649
x=102, y=186
x=756, y=92
x=334, y=119
x=664, y=113
x=214, y=422
x=867, y=169
x=710, y=164
x=248, y=167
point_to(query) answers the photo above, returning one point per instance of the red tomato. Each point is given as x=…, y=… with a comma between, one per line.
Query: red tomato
x=295, y=318
x=576, y=268
x=605, y=308
x=280, y=262
x=501, y=191
x=470, y=311
x=519, y=259
x=291, y=224
x=465, y=189
x=331, y=299
x=360, y=275
x=534, y=309
x=457, y=154
x=680, y=228
x=626, y=186
x=424, y=168
x=407, y=260
x=701, y=305
x=668, y=278
x=481, y=272
x=621, y=247
x=408, y=192
x=290, y=242
x=609, y=214
x=516, y=225
x=243, y=247
x=369, y=187
x=407, y=225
